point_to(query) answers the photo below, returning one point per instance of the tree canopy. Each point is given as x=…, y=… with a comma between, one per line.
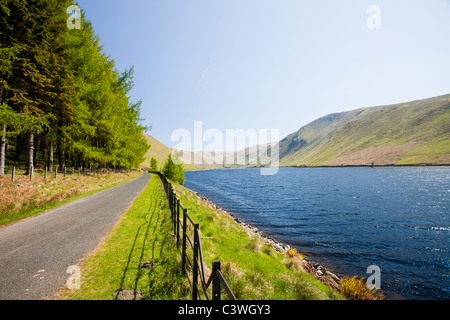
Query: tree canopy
x=154, y=164
x=60, y=92
x=174, y=170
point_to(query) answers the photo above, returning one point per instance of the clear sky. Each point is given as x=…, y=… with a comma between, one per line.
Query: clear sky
x=272, y=64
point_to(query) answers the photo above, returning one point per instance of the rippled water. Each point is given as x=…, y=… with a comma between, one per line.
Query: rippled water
x=350, y=218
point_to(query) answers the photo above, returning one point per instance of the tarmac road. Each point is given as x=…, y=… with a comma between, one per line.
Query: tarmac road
x=35, y=253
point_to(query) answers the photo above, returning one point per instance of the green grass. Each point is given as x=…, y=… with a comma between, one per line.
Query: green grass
x=253, y=269
x=426, y=152
x=143, y=236
x=423, y=122
x=138, y=259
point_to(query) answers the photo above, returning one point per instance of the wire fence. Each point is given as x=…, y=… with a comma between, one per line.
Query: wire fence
x=56, y=171
x=188, y=237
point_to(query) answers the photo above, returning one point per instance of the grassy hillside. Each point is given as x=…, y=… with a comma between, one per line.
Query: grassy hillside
x=160, y=152
x=415, y=132
x=410, y=133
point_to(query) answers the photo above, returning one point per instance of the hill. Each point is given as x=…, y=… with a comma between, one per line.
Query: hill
x=411, y=133
x=160, y=152
x=157, y=149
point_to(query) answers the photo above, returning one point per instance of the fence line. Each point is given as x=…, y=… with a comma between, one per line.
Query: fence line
x=30, y=171
x=197, y=264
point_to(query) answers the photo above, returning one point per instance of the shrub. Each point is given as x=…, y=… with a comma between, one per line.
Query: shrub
x=356, y=289
x=174, y=171
x=153, y=164
x=292, y=252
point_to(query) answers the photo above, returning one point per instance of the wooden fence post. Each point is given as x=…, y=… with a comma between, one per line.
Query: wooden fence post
x=177, y=224
x=215, y=281
x=174, y=208
x=13, y=174
x=195, y=264
x=45, y=174
x=56, y=173
x=183, y=250
x=216, y=277
x=169, y=197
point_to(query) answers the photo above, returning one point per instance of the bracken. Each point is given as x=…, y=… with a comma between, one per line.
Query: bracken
x=356, y=289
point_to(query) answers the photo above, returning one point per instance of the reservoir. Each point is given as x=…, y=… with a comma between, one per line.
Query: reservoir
x=347, y=219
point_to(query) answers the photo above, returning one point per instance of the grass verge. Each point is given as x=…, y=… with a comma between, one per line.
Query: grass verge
x=253, y=269
x=138, y=259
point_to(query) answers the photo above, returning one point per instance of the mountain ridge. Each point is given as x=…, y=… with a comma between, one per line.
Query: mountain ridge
x=379, y=135
x=407, y=133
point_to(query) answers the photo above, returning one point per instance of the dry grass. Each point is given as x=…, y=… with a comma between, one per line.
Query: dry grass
x=356, y=289
x=379, y=155
x=23, y=197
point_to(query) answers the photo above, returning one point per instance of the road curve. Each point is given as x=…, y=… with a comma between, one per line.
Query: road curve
x=35, y=253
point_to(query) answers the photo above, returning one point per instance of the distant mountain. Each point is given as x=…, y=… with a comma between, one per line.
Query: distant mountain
x=416, y=132
x=410, y=133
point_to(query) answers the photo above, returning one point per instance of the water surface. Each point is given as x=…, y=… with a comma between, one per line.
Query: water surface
x=349, y=219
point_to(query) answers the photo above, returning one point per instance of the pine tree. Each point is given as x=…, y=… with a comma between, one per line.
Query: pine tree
x=25, y=35
x=174, y=170
x=60, y=93
x=153, y=164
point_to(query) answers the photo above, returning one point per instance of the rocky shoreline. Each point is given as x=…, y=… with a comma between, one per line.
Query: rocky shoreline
x=312, y=267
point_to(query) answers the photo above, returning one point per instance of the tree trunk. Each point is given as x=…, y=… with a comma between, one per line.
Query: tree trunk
x=50, y=156
x=60, y=148
x=44, y=154
x=61, y=156
x=2, y=150
x=30, y=148
x=18, y=148
x=2, y=140
x=36, y=150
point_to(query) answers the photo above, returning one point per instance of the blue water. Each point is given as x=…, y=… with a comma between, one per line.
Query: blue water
x=350, y=218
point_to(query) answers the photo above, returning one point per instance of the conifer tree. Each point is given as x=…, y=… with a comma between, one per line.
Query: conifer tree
x=153, y=164
x=173, y=170
x=61, y=93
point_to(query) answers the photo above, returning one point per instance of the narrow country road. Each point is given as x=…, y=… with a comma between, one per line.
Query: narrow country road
x=35, y=253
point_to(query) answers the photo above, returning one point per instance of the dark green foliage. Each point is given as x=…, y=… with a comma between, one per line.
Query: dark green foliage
x=174, y=170
x=61, y=92
x=153, y=164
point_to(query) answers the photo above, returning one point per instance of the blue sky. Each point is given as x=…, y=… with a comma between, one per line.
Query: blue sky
x=278, y=64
